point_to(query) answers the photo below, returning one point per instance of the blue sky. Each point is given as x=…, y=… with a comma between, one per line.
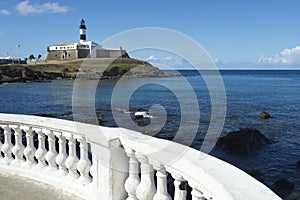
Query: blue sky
x=237, y=34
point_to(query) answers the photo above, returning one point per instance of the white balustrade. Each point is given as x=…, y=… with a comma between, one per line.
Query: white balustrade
x=197, y=194
x=62, y=156
x=180, y=187
x=41, y=151
x=123, y=163
x=18, y=149
x=30, y=149
x=146, y=189
x=84, y=163
x=1, y=129
x=72, y=160
x=51, y=154
x=162, y=192
x=133, y=179
x=7, y=146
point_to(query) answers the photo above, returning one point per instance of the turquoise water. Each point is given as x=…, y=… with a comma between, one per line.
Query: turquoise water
x=247, y=92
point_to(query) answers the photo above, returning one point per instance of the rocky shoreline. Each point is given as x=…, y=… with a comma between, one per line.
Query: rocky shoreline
x=41, y=72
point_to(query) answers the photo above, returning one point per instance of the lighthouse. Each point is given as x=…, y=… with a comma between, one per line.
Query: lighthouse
x=82, y=49
x=82, y=30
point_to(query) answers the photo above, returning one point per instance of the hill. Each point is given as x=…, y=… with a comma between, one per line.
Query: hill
x=94, y=68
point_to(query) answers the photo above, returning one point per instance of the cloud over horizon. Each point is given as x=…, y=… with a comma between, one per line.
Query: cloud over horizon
x=27, y=8
x=286, y=57
x=4, y=12
x=168, y=61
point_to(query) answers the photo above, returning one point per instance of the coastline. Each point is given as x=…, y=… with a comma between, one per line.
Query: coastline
x=91, y=69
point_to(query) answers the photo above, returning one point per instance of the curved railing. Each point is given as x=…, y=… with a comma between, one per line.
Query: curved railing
x=95, y=162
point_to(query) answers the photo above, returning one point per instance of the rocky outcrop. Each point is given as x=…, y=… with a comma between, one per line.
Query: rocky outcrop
x=255, y=174
x=10, y=74
x=283, y=184
x=243, y=141
x=264, y=115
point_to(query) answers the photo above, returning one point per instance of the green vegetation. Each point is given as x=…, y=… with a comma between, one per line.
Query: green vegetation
x=31, y=57
x=65, y=70
x=116, y=70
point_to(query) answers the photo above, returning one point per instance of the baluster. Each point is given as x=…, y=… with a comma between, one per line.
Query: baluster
x=1, y=143
x=62, y=156
x=180, y=187
x=72, y=160
x=94, y=170
x=30, y=149
x=18, y=149
x=84, y=163
x=146, y=189
x=51, y=154
x=41, y=151
x=133, y=179
x=197, y=194
x=162, y=192
x=7, y=146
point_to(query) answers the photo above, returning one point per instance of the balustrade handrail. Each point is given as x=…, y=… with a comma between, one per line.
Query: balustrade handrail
x=117, y=163
x=91, y=132
x=216, y=179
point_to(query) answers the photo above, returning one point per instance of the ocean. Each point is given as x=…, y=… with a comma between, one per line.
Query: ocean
x=248, y=93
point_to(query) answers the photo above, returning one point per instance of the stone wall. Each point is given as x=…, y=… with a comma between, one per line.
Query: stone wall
x=111, y=53
x=62, y=55
x=75, y=54
x=83, y=53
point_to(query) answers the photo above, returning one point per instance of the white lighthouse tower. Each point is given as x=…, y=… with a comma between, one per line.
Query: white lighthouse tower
x=82, y=30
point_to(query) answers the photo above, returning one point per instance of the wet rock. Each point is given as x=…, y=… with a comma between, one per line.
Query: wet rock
x=243, y=141
x=283, y=184
x=255, y=174
x=134, y=109
x=264, y=115
x=141, y=115
x=298, y=164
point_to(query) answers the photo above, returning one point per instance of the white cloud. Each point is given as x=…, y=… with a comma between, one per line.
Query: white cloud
x=27, y=8
x=4, y=12
x=286, y=57
x=151, y=58
x=168, y=61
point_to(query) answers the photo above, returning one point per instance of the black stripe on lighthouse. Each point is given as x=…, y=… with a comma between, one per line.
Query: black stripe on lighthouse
x=83, y=37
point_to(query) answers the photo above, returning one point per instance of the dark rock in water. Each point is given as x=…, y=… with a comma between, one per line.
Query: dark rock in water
x=134, y=109
x=255, y=174
x=245, y=140
x=264, y=115
x=298, y=164
x=283, y=184
x=45, y=115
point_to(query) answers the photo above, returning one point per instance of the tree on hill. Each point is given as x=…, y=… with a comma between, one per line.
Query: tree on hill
x=31, y=57
x=39, y=57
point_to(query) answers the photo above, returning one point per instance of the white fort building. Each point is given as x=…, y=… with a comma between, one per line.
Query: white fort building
x=82, y=49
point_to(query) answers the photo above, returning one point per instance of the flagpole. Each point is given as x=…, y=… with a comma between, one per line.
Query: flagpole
x=19, y=53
